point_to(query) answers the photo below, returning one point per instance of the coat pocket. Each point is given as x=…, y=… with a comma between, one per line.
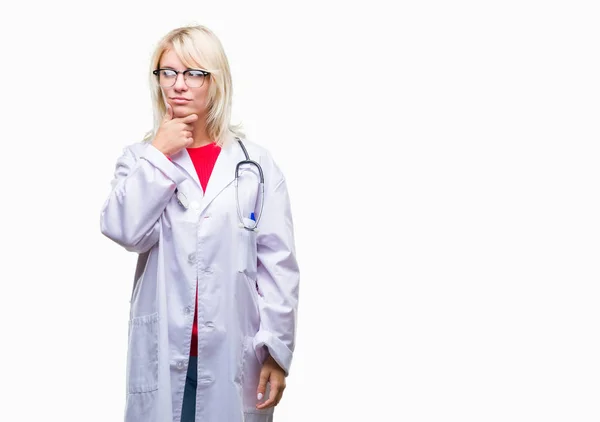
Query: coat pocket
x=142, y=354
x=247, y=253
x=250, y=372
x=250, y=369
x=141, y=407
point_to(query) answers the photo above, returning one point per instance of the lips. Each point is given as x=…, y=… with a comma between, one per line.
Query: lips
x=180, y=100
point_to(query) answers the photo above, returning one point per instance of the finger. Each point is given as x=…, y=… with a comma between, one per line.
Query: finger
x=280, y=395
x=169, y=113
x=187, y=133
x=262, y=383
x=189, y=141
x=274, y=396
x=189, y=119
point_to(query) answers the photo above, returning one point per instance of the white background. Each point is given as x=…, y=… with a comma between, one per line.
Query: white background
x=442, y=159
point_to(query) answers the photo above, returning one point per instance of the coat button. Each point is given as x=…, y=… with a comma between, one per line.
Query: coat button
x=188, y=309
x=205, y=378
x=180, y=364
x=192, y=258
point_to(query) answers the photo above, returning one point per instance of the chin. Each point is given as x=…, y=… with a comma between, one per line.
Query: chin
x=182, y=110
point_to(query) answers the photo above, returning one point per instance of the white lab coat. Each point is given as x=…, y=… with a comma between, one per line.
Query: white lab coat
x=247, y=281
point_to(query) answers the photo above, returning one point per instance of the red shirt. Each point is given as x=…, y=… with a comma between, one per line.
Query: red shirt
x=204, y=159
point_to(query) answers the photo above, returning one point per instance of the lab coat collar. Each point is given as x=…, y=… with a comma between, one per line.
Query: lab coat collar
x=223, y=173
x=183, y=160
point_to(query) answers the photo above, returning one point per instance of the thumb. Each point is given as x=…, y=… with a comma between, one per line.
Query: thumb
x=262, y=383
x=169, y=113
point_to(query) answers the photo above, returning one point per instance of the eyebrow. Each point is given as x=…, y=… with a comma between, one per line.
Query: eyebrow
x=189, y=68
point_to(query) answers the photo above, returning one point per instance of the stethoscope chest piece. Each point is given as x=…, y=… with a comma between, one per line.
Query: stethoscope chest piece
x=252, y=229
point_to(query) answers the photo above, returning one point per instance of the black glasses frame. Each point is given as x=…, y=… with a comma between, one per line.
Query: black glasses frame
x=185, y=73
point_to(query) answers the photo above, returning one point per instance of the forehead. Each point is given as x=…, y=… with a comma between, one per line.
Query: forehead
x=170, y=59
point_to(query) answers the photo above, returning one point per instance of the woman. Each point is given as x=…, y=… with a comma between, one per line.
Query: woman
x=215, y=295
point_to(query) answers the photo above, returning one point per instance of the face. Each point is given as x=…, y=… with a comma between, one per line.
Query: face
x=183, y=99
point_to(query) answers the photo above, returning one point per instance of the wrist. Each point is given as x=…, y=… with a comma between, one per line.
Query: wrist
x=159, y=147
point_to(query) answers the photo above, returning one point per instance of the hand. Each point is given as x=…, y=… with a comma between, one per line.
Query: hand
x=174, y=134
x=272, y=373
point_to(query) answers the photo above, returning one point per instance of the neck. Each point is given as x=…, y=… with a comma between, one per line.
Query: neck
x=200, y=136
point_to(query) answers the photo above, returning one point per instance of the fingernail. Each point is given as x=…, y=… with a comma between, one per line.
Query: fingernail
x=259, y=396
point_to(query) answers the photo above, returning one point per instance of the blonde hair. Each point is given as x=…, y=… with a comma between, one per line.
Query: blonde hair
x=198, y=47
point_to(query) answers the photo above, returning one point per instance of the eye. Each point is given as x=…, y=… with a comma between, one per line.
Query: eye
x=196, y=74
x=168, y=73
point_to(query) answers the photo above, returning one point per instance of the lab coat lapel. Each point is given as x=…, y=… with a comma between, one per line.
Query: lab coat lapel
x=223, y=173
x=183, y=160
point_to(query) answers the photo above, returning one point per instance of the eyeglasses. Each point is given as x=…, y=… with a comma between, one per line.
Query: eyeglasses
x=194, y=78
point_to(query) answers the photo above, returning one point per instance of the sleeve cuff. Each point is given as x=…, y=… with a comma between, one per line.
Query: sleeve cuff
x=161, y=162
x=277, y=349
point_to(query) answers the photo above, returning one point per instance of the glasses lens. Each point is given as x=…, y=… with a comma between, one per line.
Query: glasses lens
x=167, y=77
x=194, y=78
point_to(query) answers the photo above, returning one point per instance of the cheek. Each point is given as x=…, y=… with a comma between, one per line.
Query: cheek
x=200, y=104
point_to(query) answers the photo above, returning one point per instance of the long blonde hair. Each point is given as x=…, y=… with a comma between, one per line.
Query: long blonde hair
x=198, y=47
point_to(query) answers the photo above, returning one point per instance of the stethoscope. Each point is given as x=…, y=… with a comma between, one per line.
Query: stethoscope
x=181, y=198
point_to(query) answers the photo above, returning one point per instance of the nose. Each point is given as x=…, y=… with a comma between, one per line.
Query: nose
x=180, y=84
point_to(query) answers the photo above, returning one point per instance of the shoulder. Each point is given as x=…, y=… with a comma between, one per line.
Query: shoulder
x=274, y=177
x=255, y=149
x=257, y=152
x=135, y=149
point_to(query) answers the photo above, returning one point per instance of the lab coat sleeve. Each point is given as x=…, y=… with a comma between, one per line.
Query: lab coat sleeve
x=277, y=277
x=141, y=189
